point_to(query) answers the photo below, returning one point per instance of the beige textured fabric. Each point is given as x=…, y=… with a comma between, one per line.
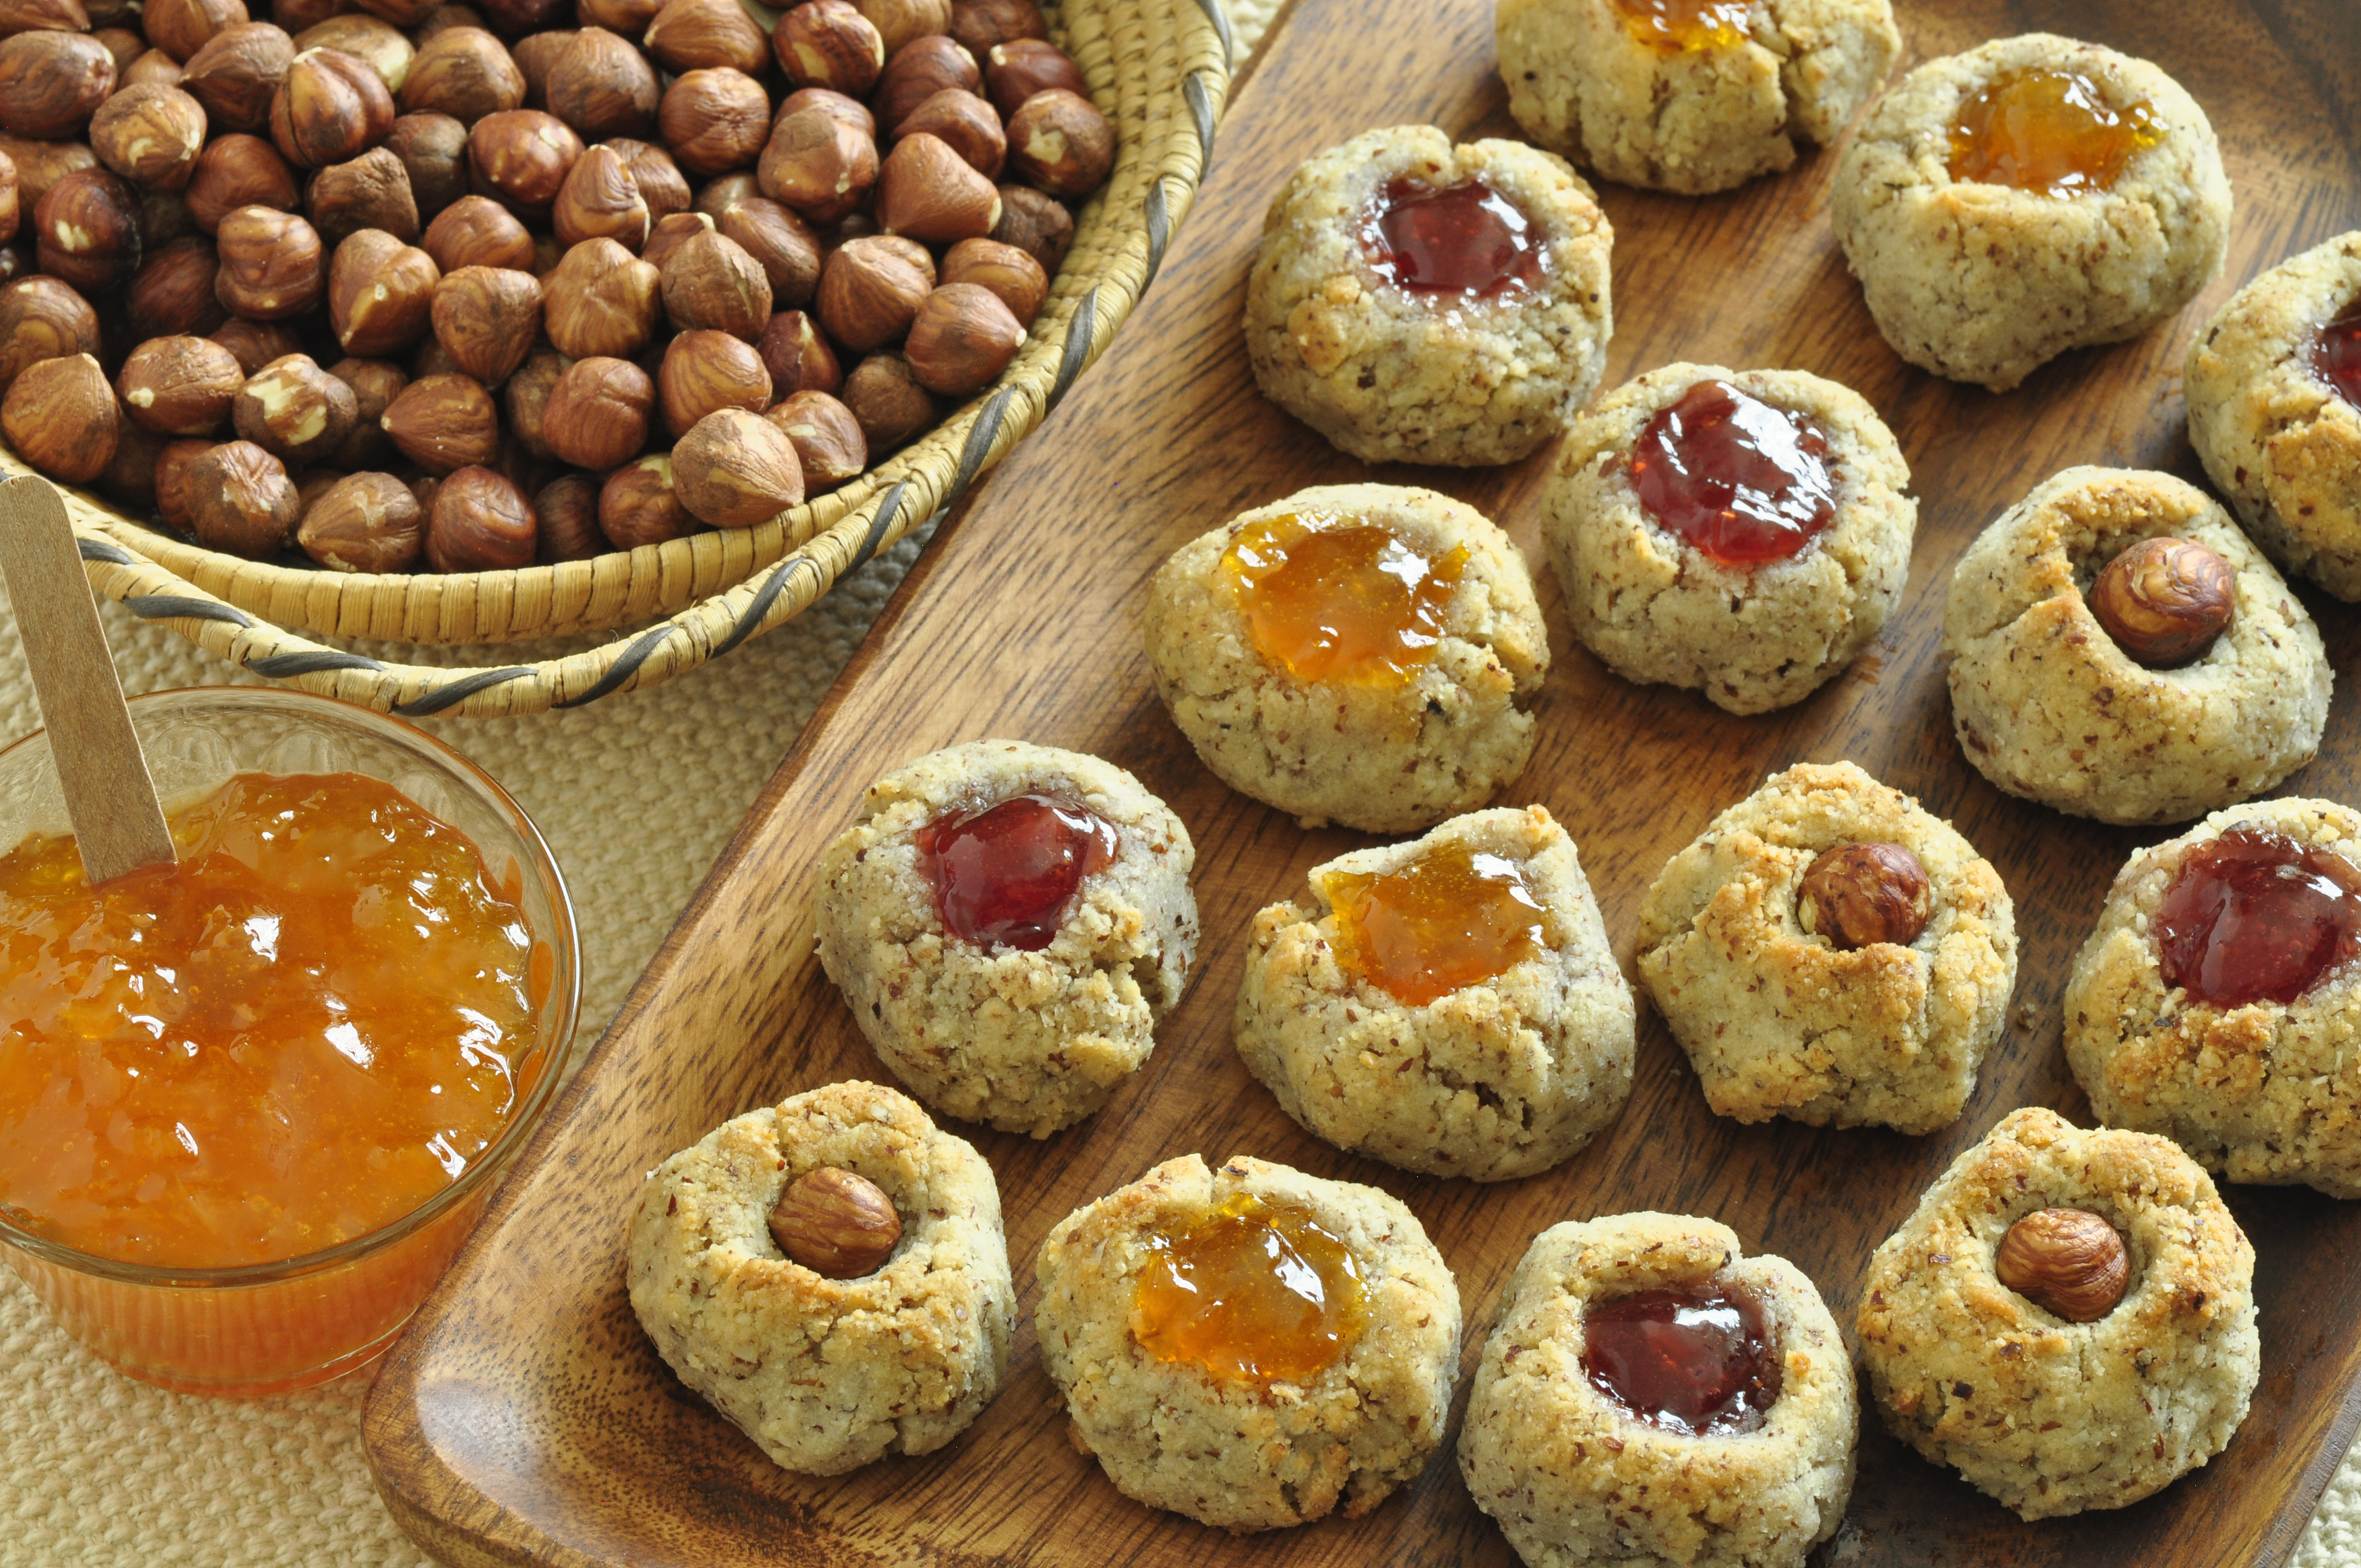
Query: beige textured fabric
x=97, y=1471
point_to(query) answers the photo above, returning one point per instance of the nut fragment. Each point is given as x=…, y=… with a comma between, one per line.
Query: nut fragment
x=179, y=384
x=331, y=106
x=476, y=231
x=479, y=521
x=444, y=423
x=150, y=136
x=839, y=1224
x=1059, y=141
x=380, y=293
x=365, y=522
x=238, y=500
x=1012, y=275
x=2068, y=1261
x=272, y=265
x=715, y=120
x=871, y=289
x=488, y=318
x=704, y=371
x=638, y=505
x=602, y=86
x=1857, y=895
x=598, y=413
x=711, y=282
x=295, y=410
x=236, y=171
x=601, y=300
x=61, y=416
x=826, y=438
x=829, y=43
x=2165, y=600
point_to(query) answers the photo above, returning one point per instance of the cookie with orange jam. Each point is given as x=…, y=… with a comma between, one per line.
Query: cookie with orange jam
x=1742, y=532
x=1449, y=1004
x=1250, y=1345
x=2034, y=195
x=1354, y=653
x=1691, y=95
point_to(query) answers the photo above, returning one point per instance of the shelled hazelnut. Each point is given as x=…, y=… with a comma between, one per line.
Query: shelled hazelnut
x=982, y=24
x=839, y=1224
x=826, y=438
x=171, y=480
x=536, y=56
x=331, y=106
x=1858, y=895
x=704, y=372
x=735, y=469
x=272, y=264
x=797, y=356
x=1058, y=142
x=433, y=153
x=598, y=413
x=524, y=398
x=180, y=385
x=566, y=515
x=172, y=293
x=928, y=192
x=837, y=105
x=372, y=40
x=1012, y=275
x=255, y=343
x=819, y=164
x=829, y=43
x=295, y=410
x=41, y=318
x=479, y=521
x=967, y=124
x=1014, y=71
x=153, y=68
x=919, y=70
x=2165, y=601
x=150, y=136
x=2068, y=1261
x=86, y=230
x=602, y=86
x=961, y=339
x=871, y=289
x=638, y=505
x=520, y=157
x=238, y=170
x=781, y=243
x=601, y=200
x=1037, y=225
x=628, y=17
x=238, y=500
x=715, y=120
x=476, y=231
x=717, y=195
x=41, y=164
x=601, y=300
x=237, y=72
x=887, y=399
x=51, y=83
x=488, y=317
x=130, y=476
x=673, y=233
x=464, y=72
x=11, y=203
x=61, y=416
x=180, y=27
x=444, y=423
x=371, y=192
x=698, y=34
x=375, y=384
x=380, y=293
x=899, y=21
x=710, y=281
x=365, y=522
x=662, y=184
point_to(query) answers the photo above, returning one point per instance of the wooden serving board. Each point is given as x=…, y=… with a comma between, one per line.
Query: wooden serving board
x=526, y=1419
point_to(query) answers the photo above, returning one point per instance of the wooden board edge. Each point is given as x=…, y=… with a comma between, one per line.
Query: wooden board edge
x=2294, y=1517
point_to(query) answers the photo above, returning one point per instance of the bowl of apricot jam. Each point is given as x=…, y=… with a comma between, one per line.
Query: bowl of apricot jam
x=252, y=1103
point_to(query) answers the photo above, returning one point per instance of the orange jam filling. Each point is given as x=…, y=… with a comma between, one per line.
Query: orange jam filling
x=1332, y=599
x=1255, y=1292
x=1449, y=919
x=302, y=1030
x=2052, y=131
x=1685, y=27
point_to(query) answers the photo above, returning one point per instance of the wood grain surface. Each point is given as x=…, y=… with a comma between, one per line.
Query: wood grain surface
x=526, y=1419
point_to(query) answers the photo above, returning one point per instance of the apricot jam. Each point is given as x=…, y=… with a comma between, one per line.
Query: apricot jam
x=1340, y=600
x=1255, y=1292
x=2253, y=915
x=2336, y=354
x=300, y=1031
x=1465, y=239
x=1735, y=478
x=1685, y=27
x=1449, y=919
x=2046, y=130
x=1698, y=1362
x=1004, y=874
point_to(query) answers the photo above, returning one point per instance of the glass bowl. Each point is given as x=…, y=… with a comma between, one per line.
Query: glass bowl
x=267, y=1328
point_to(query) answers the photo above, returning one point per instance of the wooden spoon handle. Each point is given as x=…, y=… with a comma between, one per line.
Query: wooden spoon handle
x=109, y=796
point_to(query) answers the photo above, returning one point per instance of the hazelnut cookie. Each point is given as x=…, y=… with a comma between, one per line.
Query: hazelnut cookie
x=1354, y=653
x=826, y=1373
x=1448, y=1005
x=2031, y=196
x=2067, y=1318
x=2216, y=1002
x=2120, y=649
x=1744, y=532
x=1691, y=95
x=2274, y=386
x=1828, y=952
x=1649, y=1396
x=1317, y=1375
x=1420, y=302
x=1007, y=923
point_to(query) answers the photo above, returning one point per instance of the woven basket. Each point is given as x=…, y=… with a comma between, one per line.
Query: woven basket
x=1161, y=71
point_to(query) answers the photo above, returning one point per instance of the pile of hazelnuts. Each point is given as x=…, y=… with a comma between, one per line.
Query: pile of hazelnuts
x=575, y=288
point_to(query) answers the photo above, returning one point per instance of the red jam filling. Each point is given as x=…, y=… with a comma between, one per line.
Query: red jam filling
x=1004, y=874
x=1698, y=1362
x=2253, y=916
x=2336, y=354
x=1735, y=478
x=2046, y=130
x=1466, y=240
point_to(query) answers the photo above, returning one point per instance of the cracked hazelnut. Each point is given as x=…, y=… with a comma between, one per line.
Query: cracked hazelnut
x=961, y=338
x=380, y=293
x=887, y=399
x=525, y=399
x=476, y=231
x=170, y=480
x=255, y=343
x=272, y=264
x=371, y=192
x=236, y=172
x=819, y=163
x=797, y=356
x=464, y=72
x=566, y=511
x=1857, y=895
x=50, y=83
x=601, y=199
x=375, y=384
x=1037, y=225
x=603, y=86
x=488, y=317
x=662, y=184
x=930, y=192
x=967, y=124
x=599, y=411
x=433, y=153
x=295, y=410
x=444, y=423
x=240, y=500
x=521, y=158
x=826, y=438
x=871, y=289
x=601, y=300
x=699, y=35
x=180, y=27
x=735, y=469
x=672, y=234
x=1016, y=71
x=900, y=21
x=638, y=505
x=86, y=230
x=150, y=136
x=919, y=70
x=479, y=521
x=782, y=243
x=236, y=74
x=330, y=107
x=1060, y=142
x=836, y=1223
x=715, y=120
x=1013, y=276
x=704, y=372
x=41, y=318
x=829, y=43
x=710, y=281
x=364, y=523
x=172, y=293
x=980, y=24
x=180, y=385
x=2164, y=601
x=372, y=40
x=2068, y=1261
x=61, y=416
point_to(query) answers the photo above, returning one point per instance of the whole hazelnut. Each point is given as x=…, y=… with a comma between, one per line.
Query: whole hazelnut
x=672, y=234
x=567, y=510
x=710, y=281
x=797, y=356
x=2164, y=601
x=41, y=318
x=536, y=56
x=735, y=469
x=295, y=410
x=476, y=231
x=446, y=17
x=968, y=124
x=130, y=476
x=514, y=19
x=372, y=40
x=172, y=293
x=930, y=192
x=272, y=264
x=479, y=521
x=1013, y=276
x=444, y=423
x=153, y=68
x=2066, y=1261
x=179, y=386
x=1037, y=225
x=257, y=343
x=1060, y=142
x=371, y=192
x=170, y=480
x=380, y=293
x=627, y=17
x=433, y=153
x=638, y=505
x=782, y=243
x=239, y=500
x=331, y=106
x=699, y=35
x=86, y=230
x=11, y=205
x=602, y=300
x=375, y=384
x=60, y=415
x=364, y=523
x=819, y=164
x=982, y=24
x=829, y=43
x=900, y=21
x=236, y=172
x=237, y=73
x=488, y=317
x=835, y=105
x=50, y=83
x=888, y=401
x=41, y=164
x=918, y=70
x=601, y=199
x=150, y=136
x=525, y=399
x=826, y=438
x=715, y=119
x=717, y=195
x=1857, y=895
x=1014, y=71
x=603, y=86
x=464, y=72
x=598, y=413
x=706, y=371
x=662, y=184
x=521, y=158
x=839, y=1224
x=963, y=338
x=180, y=27
x=871, y=289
